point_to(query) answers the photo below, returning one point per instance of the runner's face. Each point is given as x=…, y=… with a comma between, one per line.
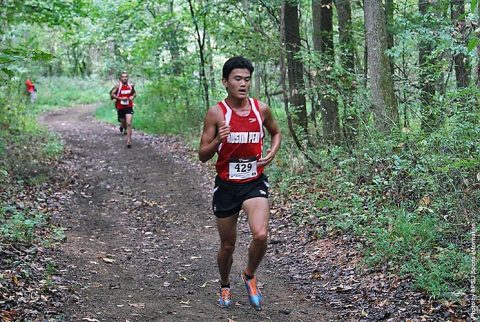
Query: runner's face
x=238, y=83
x=124, y=78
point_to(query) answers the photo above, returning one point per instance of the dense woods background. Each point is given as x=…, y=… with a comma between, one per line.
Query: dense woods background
x=378, y=101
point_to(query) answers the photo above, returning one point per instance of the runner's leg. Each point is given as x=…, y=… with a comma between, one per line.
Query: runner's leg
x=227, y=229
x=258, y=214
x=128, y=122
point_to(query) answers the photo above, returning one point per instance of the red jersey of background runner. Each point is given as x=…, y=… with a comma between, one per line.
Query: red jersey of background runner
x=30, y=86
x=124, y=92
x=239, y=153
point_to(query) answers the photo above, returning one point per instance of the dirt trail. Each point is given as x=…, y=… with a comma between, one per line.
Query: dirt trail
x=141, y=240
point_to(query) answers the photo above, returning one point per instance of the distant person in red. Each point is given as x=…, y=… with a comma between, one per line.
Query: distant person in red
x=124, y=93
x=31, y=91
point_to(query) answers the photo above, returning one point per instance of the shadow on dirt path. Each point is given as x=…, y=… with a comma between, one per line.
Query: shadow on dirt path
x=141, y=241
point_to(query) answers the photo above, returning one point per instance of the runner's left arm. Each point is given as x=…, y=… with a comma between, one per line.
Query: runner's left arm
x=134, y=93
x=273, y=129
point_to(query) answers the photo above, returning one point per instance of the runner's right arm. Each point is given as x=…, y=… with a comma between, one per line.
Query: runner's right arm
x=113, y=93
x=214, y=132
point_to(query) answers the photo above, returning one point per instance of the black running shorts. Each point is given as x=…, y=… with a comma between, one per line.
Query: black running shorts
x=124, y=111
x=228, y=197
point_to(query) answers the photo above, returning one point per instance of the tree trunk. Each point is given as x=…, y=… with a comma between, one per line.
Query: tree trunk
x=389, y=11
x=460, y=60
x=294, y=64
x=200, y=37
x=283, y=83
x=174, y=47
x=381, y=81
x=322, y=11
x=427, y=84
x=347, y=59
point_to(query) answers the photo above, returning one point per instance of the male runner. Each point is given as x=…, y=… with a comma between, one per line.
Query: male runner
x=234, y=128
x=31, y=90
x=123, y=93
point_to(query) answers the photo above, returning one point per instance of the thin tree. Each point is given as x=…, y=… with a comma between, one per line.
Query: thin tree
x=426, y=63
x=460, y=60
x=347, y=60
x=296, y=82
x=286, y=96
x=380, y=74
x=322, y=11
x=200, y=38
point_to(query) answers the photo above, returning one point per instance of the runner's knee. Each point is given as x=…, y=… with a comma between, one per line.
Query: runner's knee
x=227, y=247
x=260, y=237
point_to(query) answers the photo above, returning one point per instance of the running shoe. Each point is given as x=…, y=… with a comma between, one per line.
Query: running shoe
x=121, y=129
x=254, y=296
x=225, y=297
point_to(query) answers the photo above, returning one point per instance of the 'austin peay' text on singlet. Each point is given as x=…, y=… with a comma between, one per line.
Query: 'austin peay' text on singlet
x=239, y=153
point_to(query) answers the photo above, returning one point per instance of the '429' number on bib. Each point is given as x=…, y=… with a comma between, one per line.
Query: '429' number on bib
x=242, y=169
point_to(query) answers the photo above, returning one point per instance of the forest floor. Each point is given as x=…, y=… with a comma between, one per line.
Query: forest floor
x=141, y=243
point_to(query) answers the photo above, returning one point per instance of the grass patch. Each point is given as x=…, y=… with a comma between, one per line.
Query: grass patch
x=64, y=92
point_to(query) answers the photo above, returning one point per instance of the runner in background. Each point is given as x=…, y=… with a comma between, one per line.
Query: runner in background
x=31, y=91
x=124, y=93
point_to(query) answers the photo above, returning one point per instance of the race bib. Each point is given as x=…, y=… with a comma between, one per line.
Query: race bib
x=242, y=169
x=124, y=102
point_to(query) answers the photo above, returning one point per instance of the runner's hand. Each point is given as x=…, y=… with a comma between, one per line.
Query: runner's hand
x=262, y=162
x=223, y=132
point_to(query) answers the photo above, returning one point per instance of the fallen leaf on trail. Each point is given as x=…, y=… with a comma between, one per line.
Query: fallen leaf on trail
x=90, y=320
x=137, y=305
x=231, y=320
x=425, y=201
x=108, y=260
x=208, y=226
x=166, y=284
x=195, y=257
x=185, y=302
x=185, y=306
x=341, y=287
x=204, y=285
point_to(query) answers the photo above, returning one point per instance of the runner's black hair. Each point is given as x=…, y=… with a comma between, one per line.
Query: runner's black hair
x=236, y=62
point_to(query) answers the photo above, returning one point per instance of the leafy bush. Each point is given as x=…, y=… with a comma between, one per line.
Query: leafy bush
x=411, y=198
x=16, y=226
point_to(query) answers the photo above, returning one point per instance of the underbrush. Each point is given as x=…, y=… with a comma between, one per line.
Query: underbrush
x=54, y=92
x=411, y=199
x=29, y=157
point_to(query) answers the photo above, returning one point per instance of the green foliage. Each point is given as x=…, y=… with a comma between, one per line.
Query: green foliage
x=410, y=198
x=412, y=242
x=64, y=92
x=17, y=226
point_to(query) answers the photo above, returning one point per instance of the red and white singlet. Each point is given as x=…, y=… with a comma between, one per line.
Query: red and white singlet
x=239, y=153
x=124, y=91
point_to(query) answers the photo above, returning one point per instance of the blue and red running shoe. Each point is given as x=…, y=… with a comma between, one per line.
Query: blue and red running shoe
x=225, y=299
x=254, y=296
